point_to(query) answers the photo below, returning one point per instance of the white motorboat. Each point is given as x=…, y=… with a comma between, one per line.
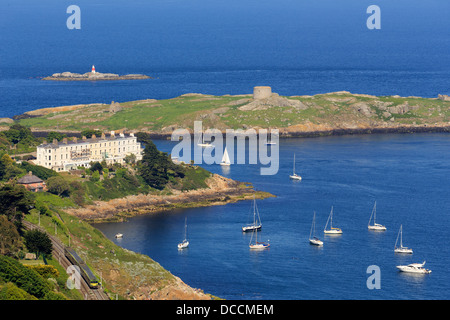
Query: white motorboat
x=294, y=176
x=118, y=235
x=256, y=225
x=332, y=230
x=225, y=159
x=414, y=268
x=375, y=226
x=185, y=243
x=312, y=238
x=204, y=144
x=401, y=248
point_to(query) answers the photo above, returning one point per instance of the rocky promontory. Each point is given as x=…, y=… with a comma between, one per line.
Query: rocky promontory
x=93, y=76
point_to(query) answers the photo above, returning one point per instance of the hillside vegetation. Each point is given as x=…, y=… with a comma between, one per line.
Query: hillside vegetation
x=322, y=112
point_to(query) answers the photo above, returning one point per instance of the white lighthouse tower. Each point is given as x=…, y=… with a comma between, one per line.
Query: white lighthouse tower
x=93, y=69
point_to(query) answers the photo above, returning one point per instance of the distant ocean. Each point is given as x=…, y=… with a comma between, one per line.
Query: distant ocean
x=220, y=47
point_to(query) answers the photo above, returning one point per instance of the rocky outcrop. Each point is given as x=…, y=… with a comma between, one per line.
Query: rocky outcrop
x=443, y=97
x=220, y=191
x=115, y=107
x=273, y=101
x=93, y=76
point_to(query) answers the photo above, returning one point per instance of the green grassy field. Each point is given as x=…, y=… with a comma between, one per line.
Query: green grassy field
x=222, y=112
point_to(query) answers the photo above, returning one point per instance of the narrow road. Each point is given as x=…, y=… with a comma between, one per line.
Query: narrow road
x=58, y=253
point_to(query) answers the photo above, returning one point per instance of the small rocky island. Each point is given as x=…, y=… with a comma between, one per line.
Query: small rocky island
x=93, y=76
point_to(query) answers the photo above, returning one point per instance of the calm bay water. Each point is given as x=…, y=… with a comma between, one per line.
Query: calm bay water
x=405, y=174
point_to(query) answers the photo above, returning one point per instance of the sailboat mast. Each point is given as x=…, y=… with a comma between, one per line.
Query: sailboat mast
x=293, y=169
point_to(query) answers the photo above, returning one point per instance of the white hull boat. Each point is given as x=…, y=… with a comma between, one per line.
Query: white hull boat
x=294, y=176
x=375, y=226
x=332, y=230
x=401, y=248
x=185, y=243
x=256, y=225
x=225, y=159
x=414, y=268
x=118, y=236
x=312, y=238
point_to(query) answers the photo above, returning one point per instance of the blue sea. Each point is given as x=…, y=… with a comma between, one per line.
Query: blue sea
x=297, y=47
x=405, y=174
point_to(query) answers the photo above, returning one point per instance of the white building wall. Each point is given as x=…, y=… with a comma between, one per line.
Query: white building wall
x=62, y=156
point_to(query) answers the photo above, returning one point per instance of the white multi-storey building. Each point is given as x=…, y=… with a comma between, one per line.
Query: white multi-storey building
x=70, y=154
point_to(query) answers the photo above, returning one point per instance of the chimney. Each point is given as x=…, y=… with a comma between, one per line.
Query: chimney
x=93, y=136
x=84, y=138
x=65, y=140
x=75, y=139
x=55, y=141
x=112, y=134
x=103, y=135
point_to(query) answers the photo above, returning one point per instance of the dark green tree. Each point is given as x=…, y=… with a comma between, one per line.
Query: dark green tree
x=58, y=185
x=15, y=200
x=156, y=167
x=38, y=242
x=55, y=135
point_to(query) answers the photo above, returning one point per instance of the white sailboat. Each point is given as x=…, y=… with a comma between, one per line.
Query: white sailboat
x=269, y=142
x=314, y=240
x=414, y=268
x=257, y=245
x=203, y=144
x=332, y=230
x=225, y=159
x=256, y=225
x=185, y=243
x=375, y=226
x=295, y=176
x=401, y=248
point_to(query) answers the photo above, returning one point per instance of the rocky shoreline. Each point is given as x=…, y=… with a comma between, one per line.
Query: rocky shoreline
x=91, y=76
x=220, y=191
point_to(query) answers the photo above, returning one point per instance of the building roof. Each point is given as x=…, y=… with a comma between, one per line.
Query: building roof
x=29, y=178
x=77, y=141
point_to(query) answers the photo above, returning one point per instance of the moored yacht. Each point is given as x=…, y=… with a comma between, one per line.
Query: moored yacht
x=332, y=230
x=414, y=268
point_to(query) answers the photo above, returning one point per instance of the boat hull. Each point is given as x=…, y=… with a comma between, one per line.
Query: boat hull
x=315, y=242
x=333, y=231
x=183, y=245
x=252, y=228
x=259, y=246
x=409, y=269
x=377, y=228
x=295, y=177
x=403, y=250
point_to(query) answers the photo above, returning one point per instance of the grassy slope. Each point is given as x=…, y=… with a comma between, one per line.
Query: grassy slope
x=120, y=267
x=334, y=110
